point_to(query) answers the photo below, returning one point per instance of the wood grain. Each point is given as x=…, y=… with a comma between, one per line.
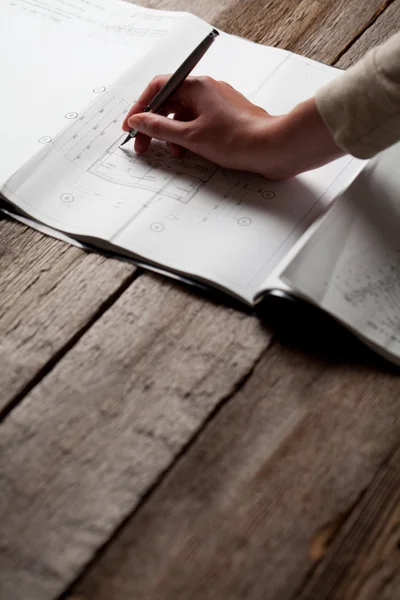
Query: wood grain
x=255, y=503
x=385, y=25
x=83, y=447
x=39, y=324
x=364, y=561
x=205, y=9
x=317, y=29
x=49, y=292
x=237, y=519
x=32, y=337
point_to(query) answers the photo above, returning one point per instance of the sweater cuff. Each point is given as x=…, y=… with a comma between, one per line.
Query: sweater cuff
x=361, y=107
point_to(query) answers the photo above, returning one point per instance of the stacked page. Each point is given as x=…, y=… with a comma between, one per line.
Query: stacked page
x=75, y=67
x=349, y=265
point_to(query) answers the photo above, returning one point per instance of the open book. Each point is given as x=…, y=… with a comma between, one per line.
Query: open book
x=74, y=69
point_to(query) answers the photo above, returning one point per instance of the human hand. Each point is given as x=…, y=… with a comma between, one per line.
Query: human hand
x=210, y=118
x=220, y=124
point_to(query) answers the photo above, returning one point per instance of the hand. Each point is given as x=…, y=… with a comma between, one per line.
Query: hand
x=215, y=121
x=210, y=118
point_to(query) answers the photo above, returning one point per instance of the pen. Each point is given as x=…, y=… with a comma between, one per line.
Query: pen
x=176, y=79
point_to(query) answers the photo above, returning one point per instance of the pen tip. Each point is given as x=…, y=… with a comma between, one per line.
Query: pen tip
x=214, y=33
x=128, y=137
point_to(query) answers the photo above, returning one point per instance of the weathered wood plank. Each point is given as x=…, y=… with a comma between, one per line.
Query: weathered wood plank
x=363, y=563
x=209, y=11
x=386, y=24
x=242, y=515
x=40, y=324
x=95, y=434
x=83, y=447
x=49, y=292
x=320, y=30
x=237, y=517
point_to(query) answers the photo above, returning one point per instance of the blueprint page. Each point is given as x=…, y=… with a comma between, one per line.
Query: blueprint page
x=59, y=55
x=351, y=264
x=223, y=226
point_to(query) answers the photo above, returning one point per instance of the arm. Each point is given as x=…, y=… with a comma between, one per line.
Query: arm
x=362, y=107
x=215, y=121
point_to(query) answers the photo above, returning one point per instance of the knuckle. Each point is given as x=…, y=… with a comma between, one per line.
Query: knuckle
x=206, y=80
x=185, y=92
x=158, y=80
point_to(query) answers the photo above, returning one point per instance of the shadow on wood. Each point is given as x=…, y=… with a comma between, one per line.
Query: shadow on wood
x=301, y=326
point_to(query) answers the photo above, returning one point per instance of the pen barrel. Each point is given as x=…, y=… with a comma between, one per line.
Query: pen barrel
x=181, y=73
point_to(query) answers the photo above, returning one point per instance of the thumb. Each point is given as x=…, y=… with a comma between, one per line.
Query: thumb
x=159, y=127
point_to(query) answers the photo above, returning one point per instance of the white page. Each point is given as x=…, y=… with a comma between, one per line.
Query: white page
x=241, y=63
x=295, y=81
x=351, y=264
x=57, y=56
x=228, y=227
x=73, y=157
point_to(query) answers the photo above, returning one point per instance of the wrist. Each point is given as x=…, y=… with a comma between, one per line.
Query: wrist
x=297, y=141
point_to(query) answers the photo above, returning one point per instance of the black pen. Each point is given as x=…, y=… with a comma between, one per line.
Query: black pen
x=176, y=79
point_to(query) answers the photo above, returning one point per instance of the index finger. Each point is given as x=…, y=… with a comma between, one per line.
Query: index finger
x=148, y=94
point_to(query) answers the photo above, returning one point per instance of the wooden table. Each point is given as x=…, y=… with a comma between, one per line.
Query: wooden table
x=158, y=445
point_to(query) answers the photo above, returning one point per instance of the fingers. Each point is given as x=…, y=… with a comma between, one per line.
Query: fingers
x=211, y=119
x=147, y=95
x=188, y=95
x=183, y=114
x=193, y=106
x=196, y=91
x=143, y=141
x=160, y=127
x=176, y=151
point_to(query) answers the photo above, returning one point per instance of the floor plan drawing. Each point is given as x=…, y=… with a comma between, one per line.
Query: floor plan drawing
x=156, y=171
x=102, y=172
x=91, y=130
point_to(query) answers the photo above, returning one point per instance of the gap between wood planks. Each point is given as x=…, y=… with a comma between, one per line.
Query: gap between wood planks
x=51, y=363
x=344, y=521
x=163, y=475
x=70, y=343
x=337, y=530
x=101, y=311
x=363, y=29
x=355, y=555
